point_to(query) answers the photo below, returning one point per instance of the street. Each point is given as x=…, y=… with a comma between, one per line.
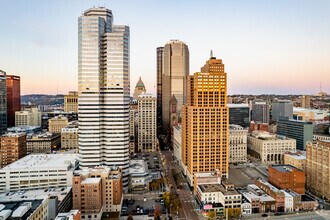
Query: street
x=187, y=210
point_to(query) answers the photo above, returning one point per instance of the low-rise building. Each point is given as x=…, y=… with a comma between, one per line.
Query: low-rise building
x=287, y=177
x=139, y=176
x=36, y=204
x=43, y=142
x=97, y=190
x=237, y=144
x=72, y=215
x=39, y=171
x=296, y=159
x=219, y=193
x=273, y=192
x=304, y=114
x=318, y=168
x=56, y=124
x=69, y=137
x=28, y=117
x=259, y=199
x=12, y=148
x=269, y=148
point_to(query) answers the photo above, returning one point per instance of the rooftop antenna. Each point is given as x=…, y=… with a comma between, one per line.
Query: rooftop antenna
x=211, y=53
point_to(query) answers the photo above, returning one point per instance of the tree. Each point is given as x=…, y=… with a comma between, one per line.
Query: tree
x=130, y=217
x=211, y=215
x=234, y=213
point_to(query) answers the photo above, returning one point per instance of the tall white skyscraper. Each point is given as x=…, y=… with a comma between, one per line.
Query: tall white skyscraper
x=104, y=91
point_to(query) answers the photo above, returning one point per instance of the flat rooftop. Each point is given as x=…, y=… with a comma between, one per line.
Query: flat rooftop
x=238, y=105
x=17, y=208
x=43, y=161
x=284, y=168
x=21, y=195
x=91, y=181
x=206, y=188
x=10, y=134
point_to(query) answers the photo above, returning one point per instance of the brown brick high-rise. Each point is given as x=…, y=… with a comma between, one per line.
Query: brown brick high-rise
x=205, y=121
x=12, y=148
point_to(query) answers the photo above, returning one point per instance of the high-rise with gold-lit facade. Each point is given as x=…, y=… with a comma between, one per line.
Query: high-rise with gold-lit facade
x=205, y=131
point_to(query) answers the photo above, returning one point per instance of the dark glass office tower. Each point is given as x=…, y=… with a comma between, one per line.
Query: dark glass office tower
x=3, y=103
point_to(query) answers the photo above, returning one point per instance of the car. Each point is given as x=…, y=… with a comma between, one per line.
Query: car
x=264, y=215
x=278, y=213
x=160, y=195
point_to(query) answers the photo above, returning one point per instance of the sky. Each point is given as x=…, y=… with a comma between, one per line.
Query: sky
x=267, y=46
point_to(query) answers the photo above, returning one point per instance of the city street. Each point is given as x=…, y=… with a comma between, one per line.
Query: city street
x=187, y=200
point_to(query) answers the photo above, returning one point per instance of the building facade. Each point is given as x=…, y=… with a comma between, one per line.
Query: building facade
x=282, y=108
x=13, y=98
x=287, y=177
x=71, y=102
x=175, y=70
x=139, y=89
x=147, y=126
x=12, y=148
x=301, y=131
x=43, y=142
x=269, y=148
x=159, y=67
x=318, y=168
x=205, y=130
x=260, y=111
x=69, y=137
x=296, y=159
x=40, y=171
x=3, y=102
x=28, y=117
x=97, y=190
x=237, y=144
x=103, y=91
x=239, y=114
x=56, y=124
x=314, y=115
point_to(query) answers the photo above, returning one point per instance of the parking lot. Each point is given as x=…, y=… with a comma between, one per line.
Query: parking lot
x=143, y=206
x=242, y=175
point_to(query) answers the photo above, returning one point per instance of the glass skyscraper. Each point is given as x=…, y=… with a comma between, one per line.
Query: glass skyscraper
x=3, y=102
x=103, y=91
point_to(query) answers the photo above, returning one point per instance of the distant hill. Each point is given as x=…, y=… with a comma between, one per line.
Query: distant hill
x=42, y=99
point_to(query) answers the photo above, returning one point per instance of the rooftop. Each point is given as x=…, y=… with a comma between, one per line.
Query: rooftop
x=22, y=195
x=10, y=134
x=91, y=181
x=44, y=161
x=238, y=105
x=297, y=155
x=206, y=188
x=20, y=209
x=284, y=168
x=42, y=135
x=138, y=167
x=316, y=111
x=68, y=215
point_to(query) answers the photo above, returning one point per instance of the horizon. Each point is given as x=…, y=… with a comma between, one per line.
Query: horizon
x=267, y=47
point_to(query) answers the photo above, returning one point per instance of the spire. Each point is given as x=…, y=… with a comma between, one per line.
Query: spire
x=140, y=83
x=211, y=54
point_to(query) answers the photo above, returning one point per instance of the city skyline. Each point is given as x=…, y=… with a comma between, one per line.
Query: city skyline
x=288, y=41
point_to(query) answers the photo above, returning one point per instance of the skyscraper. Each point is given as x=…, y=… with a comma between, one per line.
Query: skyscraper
x=3, y=102
x=159, y=64
x=175, y=70
x=103, y=91
x=260, y=111
x=282, y=108
x=139, y=89
x=205, y=120
x=13, y=98
x=147, y=136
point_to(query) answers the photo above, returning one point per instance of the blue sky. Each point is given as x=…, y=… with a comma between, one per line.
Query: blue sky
x=279, y=47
